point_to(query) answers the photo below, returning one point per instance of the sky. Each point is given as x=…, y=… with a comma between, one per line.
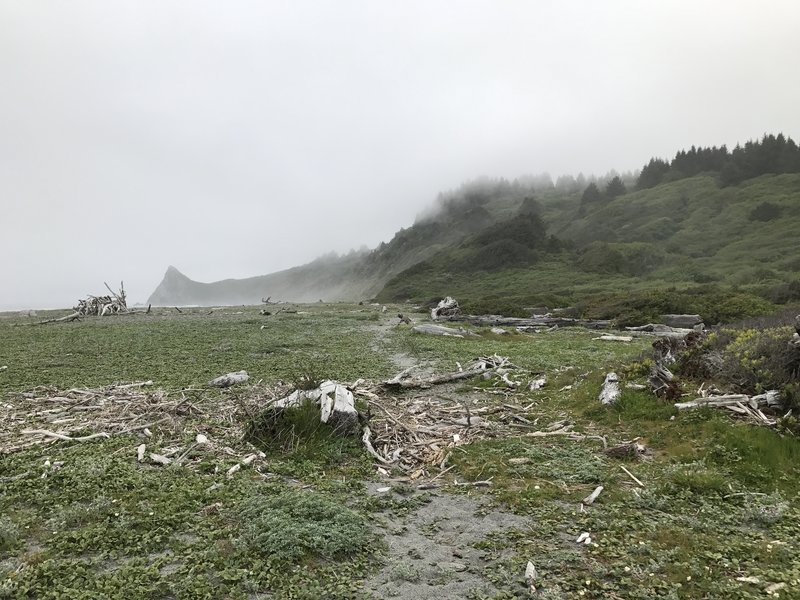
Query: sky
x=237, y=138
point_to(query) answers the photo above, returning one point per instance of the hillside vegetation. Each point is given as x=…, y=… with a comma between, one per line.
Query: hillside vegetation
x=719, y=226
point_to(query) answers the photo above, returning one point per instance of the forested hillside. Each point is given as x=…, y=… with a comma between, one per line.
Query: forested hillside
x=720, y=225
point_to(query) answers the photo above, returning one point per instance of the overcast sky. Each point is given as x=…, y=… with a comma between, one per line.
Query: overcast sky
x=236, y=138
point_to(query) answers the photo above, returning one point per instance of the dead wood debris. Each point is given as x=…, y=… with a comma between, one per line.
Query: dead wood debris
x=416, y=433
x=447, y=307
x=97, y=306
x=627, y=450
x=164, y=420
x=749, y=407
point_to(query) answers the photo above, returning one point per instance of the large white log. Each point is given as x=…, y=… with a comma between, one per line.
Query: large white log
x=229, y=379
x=336, y=402
x=770, y=398
x=447, y=307
x=441, y=330
x=610, y=392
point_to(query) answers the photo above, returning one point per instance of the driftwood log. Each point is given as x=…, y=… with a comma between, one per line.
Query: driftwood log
x=661, y=330
x=229, y=379
x=683, y=321
x=448, y=307
x=336, y=405
x=432, y=329
x=770, y=399
x=610, y=392
x=546, y=321
x=96, y=306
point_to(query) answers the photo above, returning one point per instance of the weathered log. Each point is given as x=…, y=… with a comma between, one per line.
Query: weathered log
x=610, y=392
x=795, y=341
x=441, y=330
x=336, y=402
x=229, y=379
x=73, y=317
x=662, y=381
x=497, y=320
x=431, y=381
x=683, y=321
x=66, y=438
x=632, y=476
x=768, y=399
x=593, y=496
x=537, y=383
x=614, y=338
x=447, y=307
x=660, y=330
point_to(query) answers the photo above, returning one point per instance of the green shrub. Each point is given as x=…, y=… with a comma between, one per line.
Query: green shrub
x=296, y=525
x=758, y=360
x=766, y=211
x=9, y=534
x=500, y=254
x=714, y=304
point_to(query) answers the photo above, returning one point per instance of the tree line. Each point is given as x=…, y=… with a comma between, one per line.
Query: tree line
x=772, y=154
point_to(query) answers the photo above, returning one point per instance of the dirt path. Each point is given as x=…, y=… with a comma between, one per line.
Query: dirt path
x=401, y=360
x=431, y=552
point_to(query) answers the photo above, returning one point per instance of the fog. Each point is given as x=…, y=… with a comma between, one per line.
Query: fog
x=237, y=138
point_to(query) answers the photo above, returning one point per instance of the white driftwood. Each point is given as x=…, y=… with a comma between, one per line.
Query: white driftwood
x=441, y=330
x=397, y=381
x=614, y=338
x=631, y=475
x=593, y=496
x=336, y=402
x=795, y=341
x=530, y=577
x=160, y=459
x=610, y=392
x=537, y=384
x=66, y=438
x=522, y=323
x=365, y=439
x=98, y=306
x=447, y=307
x=229, y=379
x=660, y=330
x=140, y=452
x=768, y=399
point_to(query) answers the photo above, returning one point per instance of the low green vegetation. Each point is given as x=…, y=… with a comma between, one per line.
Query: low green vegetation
x=717, y=514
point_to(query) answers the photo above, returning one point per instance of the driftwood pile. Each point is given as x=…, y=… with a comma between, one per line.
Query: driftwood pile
x=100, y=306
x=162, y=421
x=97, y=306
x=739, y=404
x=417, y=433
x=664, y=384
x=447, y=308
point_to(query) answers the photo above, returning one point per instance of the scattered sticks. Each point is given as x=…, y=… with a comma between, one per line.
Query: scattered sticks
x=632, y=476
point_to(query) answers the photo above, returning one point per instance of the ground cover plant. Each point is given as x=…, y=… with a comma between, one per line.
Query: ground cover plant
x=717, y=514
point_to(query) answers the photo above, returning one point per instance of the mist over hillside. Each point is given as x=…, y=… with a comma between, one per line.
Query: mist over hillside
x=708, y=217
